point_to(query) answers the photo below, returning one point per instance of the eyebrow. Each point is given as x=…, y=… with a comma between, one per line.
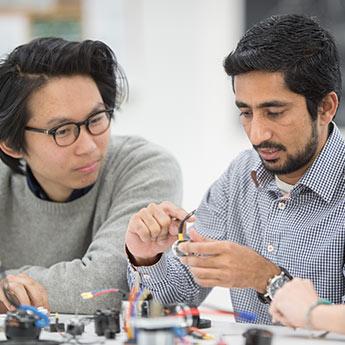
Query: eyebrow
x=268, y=104
x=62, y=119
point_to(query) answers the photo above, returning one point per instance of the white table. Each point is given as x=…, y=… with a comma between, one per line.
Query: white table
x=231, y=332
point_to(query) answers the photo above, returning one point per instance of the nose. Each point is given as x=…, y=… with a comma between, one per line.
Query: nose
x=85, y=143
x=258, y=130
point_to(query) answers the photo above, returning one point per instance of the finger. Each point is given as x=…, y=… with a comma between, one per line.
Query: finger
x=274, y=311
x=166, y=242
x=5, y=304
x=3, y=308
x=279, y=317
x=206, y=273
x=18, y=290
x=173, y=228
x=176, y=212
x=207, y=283
x=195, y=236
x=203, y=248
x=139, y=228
x=163, y=220
x=202, y=261
x=36, y=292
x=151, y=223
x=284, y=321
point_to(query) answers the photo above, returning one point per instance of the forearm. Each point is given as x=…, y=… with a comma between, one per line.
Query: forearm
x=169, y=281
x=65, y=281
x=329, y=317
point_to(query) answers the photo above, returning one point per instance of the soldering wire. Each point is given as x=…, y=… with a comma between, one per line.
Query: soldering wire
x=180, y=236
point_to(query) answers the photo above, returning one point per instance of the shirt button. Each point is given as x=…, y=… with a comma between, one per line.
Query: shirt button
x=270, y=248
x=281, y=205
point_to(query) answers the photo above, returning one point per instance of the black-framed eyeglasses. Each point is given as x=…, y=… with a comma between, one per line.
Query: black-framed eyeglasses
x=67, y=133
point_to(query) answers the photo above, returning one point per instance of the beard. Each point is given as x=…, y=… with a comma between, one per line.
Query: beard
x=293, y=162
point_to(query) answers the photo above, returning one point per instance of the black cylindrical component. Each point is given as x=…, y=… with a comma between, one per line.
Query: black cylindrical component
x=257, y=336
x=21, y=325
x=107, y=320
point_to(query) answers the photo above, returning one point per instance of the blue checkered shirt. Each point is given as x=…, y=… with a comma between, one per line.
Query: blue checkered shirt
x=303, y=233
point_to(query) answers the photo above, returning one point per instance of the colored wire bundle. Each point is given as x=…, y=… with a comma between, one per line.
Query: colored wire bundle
x=244, y=315
x=96, y=293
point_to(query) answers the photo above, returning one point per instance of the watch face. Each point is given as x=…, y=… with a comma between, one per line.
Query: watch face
x=276, y=283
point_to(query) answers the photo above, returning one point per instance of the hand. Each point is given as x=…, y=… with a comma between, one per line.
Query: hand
x=24, y=290
x=291, y=303
x=226, y=264
x=152, y=231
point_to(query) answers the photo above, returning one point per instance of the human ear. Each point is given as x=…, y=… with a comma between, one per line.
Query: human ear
x=9, y=151
x=328, y=107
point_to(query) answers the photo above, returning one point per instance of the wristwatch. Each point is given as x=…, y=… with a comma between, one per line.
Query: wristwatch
x=274, y=284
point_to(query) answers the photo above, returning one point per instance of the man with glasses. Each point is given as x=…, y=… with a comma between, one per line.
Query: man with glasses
x=68, y=189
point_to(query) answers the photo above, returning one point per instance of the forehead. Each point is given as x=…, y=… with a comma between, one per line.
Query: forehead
x=259, y=87
x=63, y=97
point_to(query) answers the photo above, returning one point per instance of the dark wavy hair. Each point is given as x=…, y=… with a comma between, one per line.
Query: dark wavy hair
x=30, y=66
x=298, y=47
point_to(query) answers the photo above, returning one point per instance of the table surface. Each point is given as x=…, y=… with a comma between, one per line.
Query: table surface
x=230, y=332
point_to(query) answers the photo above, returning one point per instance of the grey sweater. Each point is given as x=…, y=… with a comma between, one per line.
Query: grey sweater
x=79, y=245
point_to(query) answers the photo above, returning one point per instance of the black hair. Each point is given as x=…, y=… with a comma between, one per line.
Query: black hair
x=298, y=47
x=30, y=66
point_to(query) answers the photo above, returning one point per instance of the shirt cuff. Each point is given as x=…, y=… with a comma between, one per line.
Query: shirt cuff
x=157, y=272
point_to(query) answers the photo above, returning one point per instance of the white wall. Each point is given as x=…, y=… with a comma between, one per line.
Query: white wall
x=14, y=30
x=180, y=97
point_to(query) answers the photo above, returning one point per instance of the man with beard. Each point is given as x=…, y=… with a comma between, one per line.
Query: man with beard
x=278, y=210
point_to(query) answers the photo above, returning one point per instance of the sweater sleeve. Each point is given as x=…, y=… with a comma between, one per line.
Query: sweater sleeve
x=144, y=173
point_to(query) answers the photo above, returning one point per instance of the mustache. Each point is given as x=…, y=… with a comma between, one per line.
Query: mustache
x=269, y=145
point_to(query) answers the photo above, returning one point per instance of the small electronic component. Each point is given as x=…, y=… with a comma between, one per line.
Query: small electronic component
x=75, y=327
x=160, y=330
x=107, y=323
x=258, y=336
x=57, y=326
x=21, y=325
x=25, y=323
x=176, y=251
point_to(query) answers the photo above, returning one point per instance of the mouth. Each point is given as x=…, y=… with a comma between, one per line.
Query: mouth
x=269, y=155
x=89, y=167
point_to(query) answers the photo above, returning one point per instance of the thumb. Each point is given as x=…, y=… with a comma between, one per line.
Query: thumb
x=195, y=236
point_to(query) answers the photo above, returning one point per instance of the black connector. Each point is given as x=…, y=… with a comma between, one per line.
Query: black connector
x=107, y=323
x=75, y=328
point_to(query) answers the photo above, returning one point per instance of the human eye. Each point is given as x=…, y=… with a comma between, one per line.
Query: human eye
x=97, y=119
x=64, y=131
x=274, y=114
x=246, y=114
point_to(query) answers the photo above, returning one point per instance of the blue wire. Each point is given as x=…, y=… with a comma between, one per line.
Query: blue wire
x=43, y=320
x=246, y=315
